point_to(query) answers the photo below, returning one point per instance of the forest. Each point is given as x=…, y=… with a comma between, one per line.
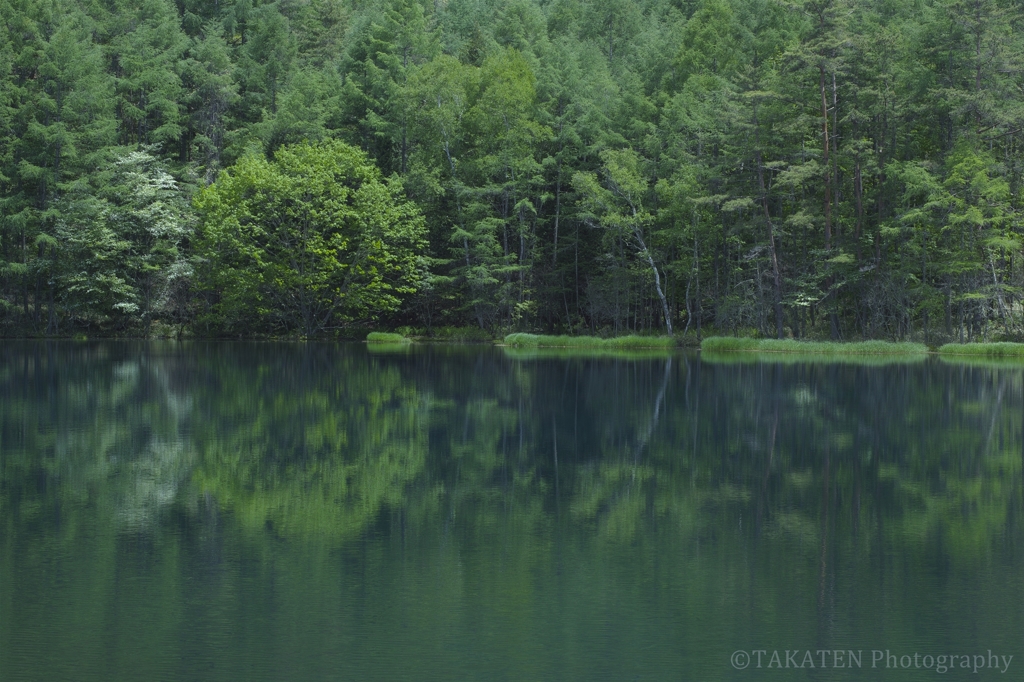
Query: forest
x=822, y=169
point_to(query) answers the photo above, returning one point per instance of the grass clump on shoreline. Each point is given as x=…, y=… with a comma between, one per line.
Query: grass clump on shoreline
x=1003, y=349
x=386, y=337
x=520, y=340
x=723, y=344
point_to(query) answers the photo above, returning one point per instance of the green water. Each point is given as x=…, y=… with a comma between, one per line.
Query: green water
x=323, y=512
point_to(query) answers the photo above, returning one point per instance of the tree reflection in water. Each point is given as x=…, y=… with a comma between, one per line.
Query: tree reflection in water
x=552, y=514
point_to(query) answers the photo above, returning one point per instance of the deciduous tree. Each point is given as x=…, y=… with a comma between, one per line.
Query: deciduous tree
x=308, y=241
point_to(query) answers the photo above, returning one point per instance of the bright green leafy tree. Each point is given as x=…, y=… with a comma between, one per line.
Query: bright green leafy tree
x=305, y=242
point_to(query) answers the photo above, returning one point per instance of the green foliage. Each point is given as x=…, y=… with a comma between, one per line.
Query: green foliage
x=305, y=242
x=522, y=339
x=147, y=45
x=386, y=337
x=618, y=205
x=632, y=342
x=1002, y=349
x=209, y=91
x=833, y=170
x=122, y=231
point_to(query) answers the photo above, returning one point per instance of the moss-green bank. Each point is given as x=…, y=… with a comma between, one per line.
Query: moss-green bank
x=386, y=337
x=723, y=344
x=988, y=350
x=520, y=340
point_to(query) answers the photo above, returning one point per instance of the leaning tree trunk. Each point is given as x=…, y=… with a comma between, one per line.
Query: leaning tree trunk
x=657, y=280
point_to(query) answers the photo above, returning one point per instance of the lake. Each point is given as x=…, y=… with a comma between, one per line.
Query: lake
x=272, y=511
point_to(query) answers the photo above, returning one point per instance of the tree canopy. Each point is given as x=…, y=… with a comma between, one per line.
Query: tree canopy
x=310, y=239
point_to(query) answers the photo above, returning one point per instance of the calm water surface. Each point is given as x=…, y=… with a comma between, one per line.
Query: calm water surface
x=328, y=512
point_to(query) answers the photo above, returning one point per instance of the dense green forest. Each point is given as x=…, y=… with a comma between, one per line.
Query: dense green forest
x=820, y=168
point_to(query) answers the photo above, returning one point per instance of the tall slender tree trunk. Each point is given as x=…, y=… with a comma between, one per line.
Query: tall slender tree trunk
x=826, y=145
x=558, y=206
x=835, y=146
x=696, y=280
x=776, y=274
x=858, y=194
